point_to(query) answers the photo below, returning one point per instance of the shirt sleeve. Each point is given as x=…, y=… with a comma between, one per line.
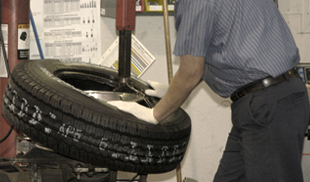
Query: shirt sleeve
x=194, y=22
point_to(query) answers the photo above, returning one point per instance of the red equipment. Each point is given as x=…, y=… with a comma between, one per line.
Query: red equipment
x=15, y=14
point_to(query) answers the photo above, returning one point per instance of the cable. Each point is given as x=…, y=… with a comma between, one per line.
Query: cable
x=6, y=65
x=7, y=135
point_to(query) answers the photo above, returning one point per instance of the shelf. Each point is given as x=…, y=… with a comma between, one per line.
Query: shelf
x=145, y=8
x=153, y=14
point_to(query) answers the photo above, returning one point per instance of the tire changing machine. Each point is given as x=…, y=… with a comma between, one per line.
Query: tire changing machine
x=22, y=160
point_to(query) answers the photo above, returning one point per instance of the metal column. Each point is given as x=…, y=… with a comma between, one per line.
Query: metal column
x=16, y=15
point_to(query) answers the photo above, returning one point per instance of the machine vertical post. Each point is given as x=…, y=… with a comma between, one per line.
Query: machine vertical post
x=125, y=23
x=16, y=16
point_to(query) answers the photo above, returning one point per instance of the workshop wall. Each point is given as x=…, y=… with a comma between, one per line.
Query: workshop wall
x=209, y=113
x=297, y=16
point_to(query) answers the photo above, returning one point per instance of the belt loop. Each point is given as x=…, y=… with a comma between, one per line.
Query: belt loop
x=241, y=94
x=286, y=75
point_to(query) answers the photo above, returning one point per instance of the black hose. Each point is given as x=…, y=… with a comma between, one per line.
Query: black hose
x=7, y=135
x=6, y=65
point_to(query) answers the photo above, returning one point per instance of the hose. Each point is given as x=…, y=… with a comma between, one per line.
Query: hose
x=6, y=61
x=7, y=135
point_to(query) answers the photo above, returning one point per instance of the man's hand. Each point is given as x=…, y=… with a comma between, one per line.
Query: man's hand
x=159, y=89
x=135, y=109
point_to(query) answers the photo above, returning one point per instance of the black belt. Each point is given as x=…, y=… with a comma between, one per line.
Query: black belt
x=263, y=83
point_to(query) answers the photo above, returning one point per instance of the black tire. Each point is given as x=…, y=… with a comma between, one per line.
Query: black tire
x=45, y=100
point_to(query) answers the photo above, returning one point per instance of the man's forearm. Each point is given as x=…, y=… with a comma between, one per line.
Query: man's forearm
x=185, y=80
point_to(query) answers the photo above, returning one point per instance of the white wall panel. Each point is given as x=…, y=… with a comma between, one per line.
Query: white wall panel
x=297, y=15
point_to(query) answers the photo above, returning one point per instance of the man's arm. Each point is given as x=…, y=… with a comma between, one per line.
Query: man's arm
x=185, y=80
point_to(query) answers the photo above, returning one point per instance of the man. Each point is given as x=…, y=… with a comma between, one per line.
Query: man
x=243, y=49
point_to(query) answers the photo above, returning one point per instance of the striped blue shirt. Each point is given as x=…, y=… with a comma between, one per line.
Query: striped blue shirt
x=242, y=40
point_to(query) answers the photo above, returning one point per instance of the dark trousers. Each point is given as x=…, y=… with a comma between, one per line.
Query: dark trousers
x=266, y=141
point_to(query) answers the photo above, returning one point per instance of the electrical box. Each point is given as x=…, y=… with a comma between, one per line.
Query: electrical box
x=108, y=7
x=304, y=72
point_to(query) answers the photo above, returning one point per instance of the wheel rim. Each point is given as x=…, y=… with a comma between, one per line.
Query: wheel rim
x=103, y=87
x=110, y=96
